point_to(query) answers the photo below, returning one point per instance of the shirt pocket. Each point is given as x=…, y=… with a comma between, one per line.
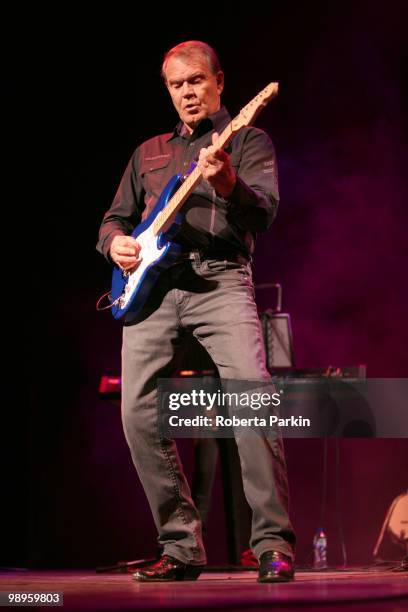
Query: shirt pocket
x=154, y=172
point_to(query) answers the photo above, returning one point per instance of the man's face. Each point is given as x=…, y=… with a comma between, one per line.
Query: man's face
x=194, y=89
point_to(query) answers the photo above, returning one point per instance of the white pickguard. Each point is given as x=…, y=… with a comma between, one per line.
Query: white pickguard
x=149, y=254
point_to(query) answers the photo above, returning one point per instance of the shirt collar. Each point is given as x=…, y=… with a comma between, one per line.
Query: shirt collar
x=217, y=121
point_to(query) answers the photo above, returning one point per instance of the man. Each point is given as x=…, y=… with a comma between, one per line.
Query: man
x=209, y=293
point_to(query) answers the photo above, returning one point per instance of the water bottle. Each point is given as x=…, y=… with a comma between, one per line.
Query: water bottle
x=320, y=549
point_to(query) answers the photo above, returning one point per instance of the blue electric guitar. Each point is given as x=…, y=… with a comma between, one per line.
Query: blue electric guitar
x=130, y=290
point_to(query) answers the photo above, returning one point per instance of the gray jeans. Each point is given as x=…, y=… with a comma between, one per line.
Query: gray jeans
x=215, y=301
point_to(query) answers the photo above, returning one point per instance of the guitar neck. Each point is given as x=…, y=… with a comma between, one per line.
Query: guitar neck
x=245, y=117
x=191, y=182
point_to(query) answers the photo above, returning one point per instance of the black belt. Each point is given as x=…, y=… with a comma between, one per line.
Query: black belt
x=203, y=254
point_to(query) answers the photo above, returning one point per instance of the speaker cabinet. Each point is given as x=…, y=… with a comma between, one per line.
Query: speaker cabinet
x=277, y=334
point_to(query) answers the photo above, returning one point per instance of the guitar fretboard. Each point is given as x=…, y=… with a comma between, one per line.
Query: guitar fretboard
x=245, y=117
x=187, y=187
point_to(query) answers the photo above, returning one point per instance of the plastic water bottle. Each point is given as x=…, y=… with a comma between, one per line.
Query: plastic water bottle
x=320, y=549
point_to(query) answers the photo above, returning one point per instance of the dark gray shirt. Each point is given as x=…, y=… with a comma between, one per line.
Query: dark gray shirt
x=210, y=222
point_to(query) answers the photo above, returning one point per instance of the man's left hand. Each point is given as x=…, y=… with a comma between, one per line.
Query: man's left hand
x=215, y=165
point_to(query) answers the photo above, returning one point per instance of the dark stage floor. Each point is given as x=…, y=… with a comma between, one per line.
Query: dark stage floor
x=369, y=590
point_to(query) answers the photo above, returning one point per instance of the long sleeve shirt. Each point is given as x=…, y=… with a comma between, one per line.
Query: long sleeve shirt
x=210, y=222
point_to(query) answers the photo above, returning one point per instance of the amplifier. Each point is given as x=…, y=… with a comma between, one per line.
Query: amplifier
x=277, y=332
x=277, y=335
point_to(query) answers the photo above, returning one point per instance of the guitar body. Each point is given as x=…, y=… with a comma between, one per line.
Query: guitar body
x=130, y=291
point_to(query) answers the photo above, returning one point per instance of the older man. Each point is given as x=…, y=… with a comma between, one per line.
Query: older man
x=209, y=292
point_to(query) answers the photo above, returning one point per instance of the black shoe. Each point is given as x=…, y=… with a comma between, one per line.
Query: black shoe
x=275, y=567
x=168, y=569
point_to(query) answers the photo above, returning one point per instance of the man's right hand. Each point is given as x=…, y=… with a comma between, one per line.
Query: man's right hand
x=124, y=251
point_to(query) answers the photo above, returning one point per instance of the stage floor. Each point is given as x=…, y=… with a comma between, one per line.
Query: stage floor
x=359, y=590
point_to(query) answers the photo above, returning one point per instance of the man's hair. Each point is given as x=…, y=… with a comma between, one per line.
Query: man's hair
x=186, y=49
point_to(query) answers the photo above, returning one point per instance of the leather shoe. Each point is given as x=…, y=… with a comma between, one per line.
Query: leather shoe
x=274, y=566
x=167, y=569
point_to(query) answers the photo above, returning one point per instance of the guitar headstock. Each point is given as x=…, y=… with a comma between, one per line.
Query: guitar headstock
x=253, y=108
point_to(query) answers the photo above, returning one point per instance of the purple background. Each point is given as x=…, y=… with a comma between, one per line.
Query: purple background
x=338, y=247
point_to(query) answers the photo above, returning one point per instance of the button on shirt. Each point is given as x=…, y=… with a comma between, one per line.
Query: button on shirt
x=209, y=220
